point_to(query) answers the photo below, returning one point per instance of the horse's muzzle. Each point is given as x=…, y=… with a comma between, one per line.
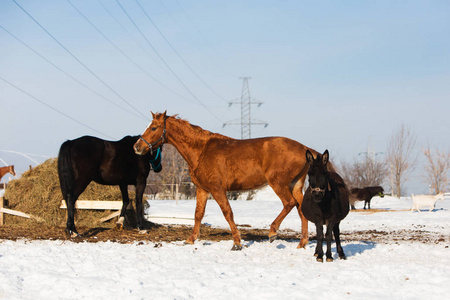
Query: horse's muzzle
x=138, y=149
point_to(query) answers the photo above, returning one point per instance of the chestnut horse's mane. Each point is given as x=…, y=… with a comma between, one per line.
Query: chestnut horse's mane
x=197, y=129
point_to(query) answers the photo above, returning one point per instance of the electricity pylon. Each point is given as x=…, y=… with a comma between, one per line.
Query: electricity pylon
x=246, y=120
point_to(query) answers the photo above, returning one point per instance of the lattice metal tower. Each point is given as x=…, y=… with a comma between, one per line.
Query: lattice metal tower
x=246, y=120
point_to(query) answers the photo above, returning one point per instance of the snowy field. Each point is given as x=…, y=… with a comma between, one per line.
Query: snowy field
x=262, y=270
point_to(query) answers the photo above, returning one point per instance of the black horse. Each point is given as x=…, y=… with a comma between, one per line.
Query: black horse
x=366, y=194
x=325, y=202
x=88, y=158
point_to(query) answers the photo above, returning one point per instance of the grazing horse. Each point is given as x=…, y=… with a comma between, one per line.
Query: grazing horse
x=325, y=203
x=366, y=194
x=218, y=164
x=7, y=169
x=88, y=158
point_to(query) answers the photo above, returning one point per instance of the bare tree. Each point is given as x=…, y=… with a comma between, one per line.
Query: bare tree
x=363, y=173
x=436, y=168
x=401, y=157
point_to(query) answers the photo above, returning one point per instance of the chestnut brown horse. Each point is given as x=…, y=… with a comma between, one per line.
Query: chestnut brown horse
x=7, y=169
x=218, y=164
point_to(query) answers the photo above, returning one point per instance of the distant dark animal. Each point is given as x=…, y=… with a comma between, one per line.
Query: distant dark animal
x=88, y=158
x=7, y=169
x=325, y=203
x=366, y=194
x=218, y=164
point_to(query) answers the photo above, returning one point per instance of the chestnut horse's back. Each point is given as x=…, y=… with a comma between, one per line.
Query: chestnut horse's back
x=246, y=164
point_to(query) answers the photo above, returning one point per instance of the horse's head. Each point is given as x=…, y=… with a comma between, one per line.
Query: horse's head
x=318, y=174
x=11, y=170
x=154, y=135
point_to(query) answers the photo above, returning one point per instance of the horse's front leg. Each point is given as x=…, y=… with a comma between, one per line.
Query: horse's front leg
x=222, y=200
x=329, y=238
x=202, y=196
x=125, y=202
x=319, y=250
x=140, y=187
x=337, y=238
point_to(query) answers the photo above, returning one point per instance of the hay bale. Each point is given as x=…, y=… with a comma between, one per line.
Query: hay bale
x=38, y=193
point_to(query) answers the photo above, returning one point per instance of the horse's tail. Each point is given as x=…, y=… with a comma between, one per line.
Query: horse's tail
x=65, y=170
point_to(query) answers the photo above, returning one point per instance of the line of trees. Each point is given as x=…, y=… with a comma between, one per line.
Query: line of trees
x=400, y=160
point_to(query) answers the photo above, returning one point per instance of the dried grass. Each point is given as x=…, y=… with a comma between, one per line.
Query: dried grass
x=38, y=193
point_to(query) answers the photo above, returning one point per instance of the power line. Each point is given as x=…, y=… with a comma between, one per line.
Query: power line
x=52, y=108
x=123, y=53
x=165, y=63
x=67, y=74
x=78, y=60
x=177, y=53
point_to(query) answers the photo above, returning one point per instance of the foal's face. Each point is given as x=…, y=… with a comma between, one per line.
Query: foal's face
x=318, y=174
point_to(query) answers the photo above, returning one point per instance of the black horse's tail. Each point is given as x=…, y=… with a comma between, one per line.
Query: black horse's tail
x=65, y=170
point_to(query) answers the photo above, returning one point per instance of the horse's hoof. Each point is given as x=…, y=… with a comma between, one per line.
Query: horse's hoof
x=187, y=242
x=329, y=259
x=119, y=226
x=319, y=259
x=342, y=257
x=273, y=238
x=142, y=231
x=236, y=247
x=71, y=234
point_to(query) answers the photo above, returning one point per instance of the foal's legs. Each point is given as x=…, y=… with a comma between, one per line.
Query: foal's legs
x=337, y=238
x=329, y=238
x=319, y=236
x=125, y=202
x=202, y=196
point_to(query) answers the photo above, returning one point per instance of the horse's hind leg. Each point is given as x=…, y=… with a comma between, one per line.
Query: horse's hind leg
x=71, y=231
x=125, y=202
x=337, y=238
x=298, y=195
x=289, y=202
x=202, y=196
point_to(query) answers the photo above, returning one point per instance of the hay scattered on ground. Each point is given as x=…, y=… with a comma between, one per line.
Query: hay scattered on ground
x=38, y=193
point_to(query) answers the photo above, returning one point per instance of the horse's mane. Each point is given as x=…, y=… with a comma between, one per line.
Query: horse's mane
x=197, y=129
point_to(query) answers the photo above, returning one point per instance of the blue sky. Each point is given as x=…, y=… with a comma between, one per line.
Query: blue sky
x=334, y=75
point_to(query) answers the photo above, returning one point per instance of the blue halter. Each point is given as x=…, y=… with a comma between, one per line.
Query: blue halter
x=152, y=161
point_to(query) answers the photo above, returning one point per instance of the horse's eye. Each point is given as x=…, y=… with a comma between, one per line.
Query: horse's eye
x=153, y=128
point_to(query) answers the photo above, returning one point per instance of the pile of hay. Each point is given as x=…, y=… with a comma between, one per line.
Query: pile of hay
x=38, y=193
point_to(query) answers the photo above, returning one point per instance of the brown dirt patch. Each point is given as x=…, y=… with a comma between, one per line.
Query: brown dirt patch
x=171, y=233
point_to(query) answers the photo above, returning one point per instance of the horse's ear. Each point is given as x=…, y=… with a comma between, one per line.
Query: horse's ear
x=325, y=157
x=153, y=115
x=309, y=157
x=164, y=114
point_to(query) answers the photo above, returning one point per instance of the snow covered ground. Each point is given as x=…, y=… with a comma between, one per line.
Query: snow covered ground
x=262, y=270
